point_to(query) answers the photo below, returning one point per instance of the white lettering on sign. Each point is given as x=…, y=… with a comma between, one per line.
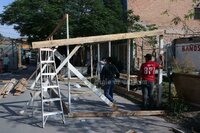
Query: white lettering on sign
x=191, y=47
x=188, y=54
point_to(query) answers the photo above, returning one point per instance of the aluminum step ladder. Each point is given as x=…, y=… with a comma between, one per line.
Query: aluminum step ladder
x=51, y=102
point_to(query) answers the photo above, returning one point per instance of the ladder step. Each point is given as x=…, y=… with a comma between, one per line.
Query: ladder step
x=47, y=62
x=46, y=74
x=51, y=99
x=52, y=113
x=46, y=49
x=50, y=86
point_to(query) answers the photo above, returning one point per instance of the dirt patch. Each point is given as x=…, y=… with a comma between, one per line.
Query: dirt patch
x=189, y=121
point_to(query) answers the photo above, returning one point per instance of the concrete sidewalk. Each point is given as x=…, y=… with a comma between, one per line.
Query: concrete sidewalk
x=83, y=100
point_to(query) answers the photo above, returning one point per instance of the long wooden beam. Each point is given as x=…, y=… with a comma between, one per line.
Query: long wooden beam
x=95, y=39
x=117, y=113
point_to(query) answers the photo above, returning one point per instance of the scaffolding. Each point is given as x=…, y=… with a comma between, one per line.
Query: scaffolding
x=98, y=40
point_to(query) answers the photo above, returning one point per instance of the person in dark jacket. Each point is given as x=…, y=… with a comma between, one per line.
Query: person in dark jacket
x=107, y=76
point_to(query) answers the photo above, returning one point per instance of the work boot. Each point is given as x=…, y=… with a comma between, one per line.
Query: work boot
x=114, y=107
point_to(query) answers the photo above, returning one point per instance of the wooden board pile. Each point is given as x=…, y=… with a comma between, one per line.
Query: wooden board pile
x=13, y=86
x=20, y=87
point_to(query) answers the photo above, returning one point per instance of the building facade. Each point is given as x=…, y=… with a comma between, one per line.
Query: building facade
x=164, y=13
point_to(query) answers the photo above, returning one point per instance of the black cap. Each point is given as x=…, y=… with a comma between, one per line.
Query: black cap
x=148, y=56
x=108, y=59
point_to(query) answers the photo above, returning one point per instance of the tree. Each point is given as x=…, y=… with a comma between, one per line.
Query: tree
x=37, y=19
x=34, y=19
x=177, y=19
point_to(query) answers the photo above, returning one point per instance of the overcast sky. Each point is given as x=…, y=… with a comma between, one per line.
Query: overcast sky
x=7, y=31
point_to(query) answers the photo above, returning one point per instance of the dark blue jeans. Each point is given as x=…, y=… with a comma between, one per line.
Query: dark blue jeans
x=108, y=89
x=147, y=94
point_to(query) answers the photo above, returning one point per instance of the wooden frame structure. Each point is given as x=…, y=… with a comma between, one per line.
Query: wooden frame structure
x=80, y=41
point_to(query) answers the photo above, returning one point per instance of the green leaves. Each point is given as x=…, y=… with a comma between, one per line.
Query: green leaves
x=37, y=18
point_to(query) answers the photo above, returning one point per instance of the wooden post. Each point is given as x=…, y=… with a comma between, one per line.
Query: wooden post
x=91, y=61
x=13, y=56
x=160, y=71
x=67, y=25
x=68, y=70
x=99, y=59
x=134, y=54
x=109, y=49
x=128, y=64
x=142, y=51
x=19, y=56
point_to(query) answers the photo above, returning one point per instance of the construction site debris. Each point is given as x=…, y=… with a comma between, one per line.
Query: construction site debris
x=20, y=87
x=5, y=90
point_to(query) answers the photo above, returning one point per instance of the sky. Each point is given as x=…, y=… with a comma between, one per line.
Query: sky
x=5, y=30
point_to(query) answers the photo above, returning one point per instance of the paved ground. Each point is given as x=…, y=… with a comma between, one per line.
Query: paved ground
x=83, y=100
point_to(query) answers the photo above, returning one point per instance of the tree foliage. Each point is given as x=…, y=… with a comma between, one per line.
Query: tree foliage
x=37, y=18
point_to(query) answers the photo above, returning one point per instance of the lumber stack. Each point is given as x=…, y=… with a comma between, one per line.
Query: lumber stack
x=5, y=90
x=20, y=87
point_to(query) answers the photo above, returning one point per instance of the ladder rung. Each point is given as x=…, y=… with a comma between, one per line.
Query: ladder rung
x=52, y=113
x=46, y=62
x=51, y=99
x=50, y=86
x=46, y=74
x=46, y=49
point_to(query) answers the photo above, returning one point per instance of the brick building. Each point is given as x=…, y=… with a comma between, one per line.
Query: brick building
x=162, y=12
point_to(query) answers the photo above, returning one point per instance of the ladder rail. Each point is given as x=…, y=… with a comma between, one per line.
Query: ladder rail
x=47, y=68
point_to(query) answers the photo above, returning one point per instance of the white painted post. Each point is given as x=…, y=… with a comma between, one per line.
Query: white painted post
x=19, y=56
x=68, y=70
x=128, y=63
x=98, y=65
x=160, y=71
x=91, y=61
x=142, y=51
x=109, y=49
x=134, y=54
x=67, y=25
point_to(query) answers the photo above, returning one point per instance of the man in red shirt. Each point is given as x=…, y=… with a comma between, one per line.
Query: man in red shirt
x=147, y=73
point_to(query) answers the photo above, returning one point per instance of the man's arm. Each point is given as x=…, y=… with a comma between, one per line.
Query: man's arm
x=102, y=74
x=116, y=71
x=160, y=63
x=140, y=74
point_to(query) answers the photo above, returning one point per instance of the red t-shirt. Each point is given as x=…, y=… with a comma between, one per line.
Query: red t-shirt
x=148, y=69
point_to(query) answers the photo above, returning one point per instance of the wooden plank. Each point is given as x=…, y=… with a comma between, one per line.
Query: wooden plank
x=95, y=39
x=21, y=84
x=9, y=87
x=117, y=113
x=60, y=23
x=20, y=87
x=2, y=90
x=5, y=81
x=124, y=76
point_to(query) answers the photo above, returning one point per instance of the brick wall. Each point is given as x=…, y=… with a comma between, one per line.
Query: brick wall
x=151, y=11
